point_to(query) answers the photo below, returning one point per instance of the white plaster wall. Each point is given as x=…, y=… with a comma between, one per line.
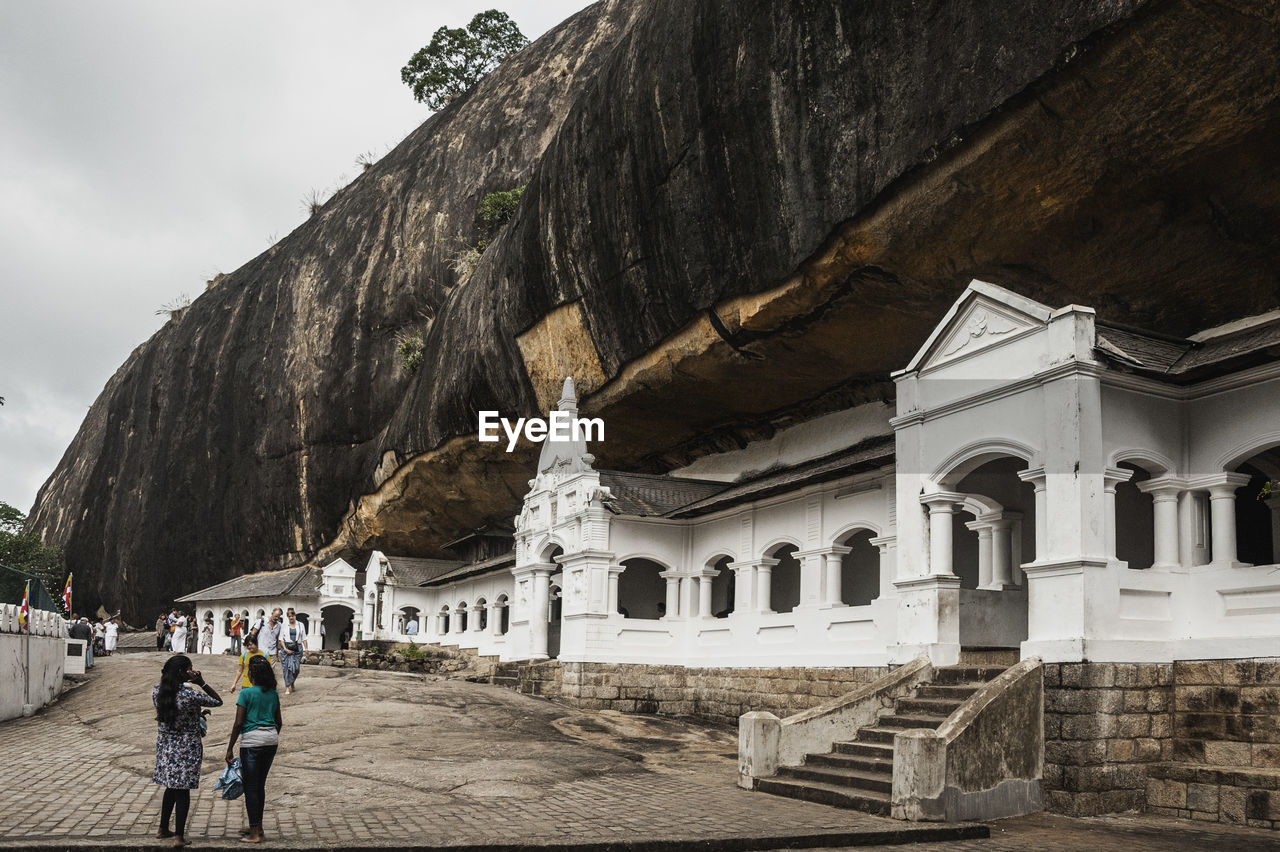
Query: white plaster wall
x=1226, y=425
x=46, y=648
x=1137, y=426
x=309, y=606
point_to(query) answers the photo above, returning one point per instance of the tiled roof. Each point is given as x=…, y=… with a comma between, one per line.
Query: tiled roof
x=410, y=571
x=472, y=569
x=1184, y=361
x=303, y=580
x=648, y=495
x=863, y=456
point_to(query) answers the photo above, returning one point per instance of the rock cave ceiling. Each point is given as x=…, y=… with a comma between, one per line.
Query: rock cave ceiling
x=722, y=234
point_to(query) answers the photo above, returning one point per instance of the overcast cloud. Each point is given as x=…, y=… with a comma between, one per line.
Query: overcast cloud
x=147, y=146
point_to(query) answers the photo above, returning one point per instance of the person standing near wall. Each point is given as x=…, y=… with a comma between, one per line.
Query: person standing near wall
x=269, y=635
x=162, y=632
x=113, y=635
x=206, y=636
x=80, y=629
x=179, y=750
x=293, y=644
x=257, y=725
x=237, y=626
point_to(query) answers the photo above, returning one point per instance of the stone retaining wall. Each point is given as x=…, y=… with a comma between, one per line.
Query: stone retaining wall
x=422, y=659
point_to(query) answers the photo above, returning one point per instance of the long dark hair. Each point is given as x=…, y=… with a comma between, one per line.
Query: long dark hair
x=172, y=676
x=261, y=675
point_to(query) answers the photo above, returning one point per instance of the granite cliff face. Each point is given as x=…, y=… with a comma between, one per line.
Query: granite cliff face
x=738, y=214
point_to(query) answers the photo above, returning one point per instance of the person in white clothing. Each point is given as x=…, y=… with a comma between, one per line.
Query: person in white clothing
x=293, y=644
x=178, y=644
x=112, y=635
x=206, y=636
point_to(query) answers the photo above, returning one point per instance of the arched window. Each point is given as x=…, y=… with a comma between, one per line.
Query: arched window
x=460, y=613
x=442, y=621
x=859, y=569
x=1135, y=520
x=998, y=482
x=482, y=613
x=723, y=587
x=504, y=615
x=641, y=592
x=226, y=622
x=784, y=579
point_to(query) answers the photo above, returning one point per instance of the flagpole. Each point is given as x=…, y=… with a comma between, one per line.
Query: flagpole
x=26, y=680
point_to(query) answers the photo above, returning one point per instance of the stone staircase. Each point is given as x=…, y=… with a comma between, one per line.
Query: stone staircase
x=858, y=774
x=541, y=677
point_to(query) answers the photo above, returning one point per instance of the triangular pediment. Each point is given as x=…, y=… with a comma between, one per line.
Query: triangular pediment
x=985, y=315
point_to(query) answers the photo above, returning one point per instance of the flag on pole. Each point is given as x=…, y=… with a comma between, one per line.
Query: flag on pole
x=24, y=612
x=66, y=596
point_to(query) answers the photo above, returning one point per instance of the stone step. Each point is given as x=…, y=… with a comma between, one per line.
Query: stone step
x=967, y=674
x=950, y=691
x=877, y=735
x=856, y=762
x=861, y=781
x=827, y=794
x=864, y=748
x=927, y=706
x=913, y=720
x=977, y=656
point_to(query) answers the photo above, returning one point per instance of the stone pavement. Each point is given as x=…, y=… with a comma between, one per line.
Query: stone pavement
x=375, y=759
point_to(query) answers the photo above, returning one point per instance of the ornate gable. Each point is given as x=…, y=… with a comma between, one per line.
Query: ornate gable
x=985, y=315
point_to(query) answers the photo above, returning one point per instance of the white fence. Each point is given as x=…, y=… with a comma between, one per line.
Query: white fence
x=31, y=665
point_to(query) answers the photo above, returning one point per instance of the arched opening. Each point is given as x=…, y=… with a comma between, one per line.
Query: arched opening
x=642, y=593
x=859, y=569
x=442, y=621
x=482, y=613
x=336, y=626
x=784, y=580
x=1014, y=521
x=553, y=617
x=410, y=621
x=227, y=615
x=1258, y=510
x=723, y=587
x=460, y=614
x=504, y=615
x=1135, y=520
x=305, y=620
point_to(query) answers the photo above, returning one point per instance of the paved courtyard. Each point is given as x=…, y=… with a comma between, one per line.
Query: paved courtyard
x=372, y=759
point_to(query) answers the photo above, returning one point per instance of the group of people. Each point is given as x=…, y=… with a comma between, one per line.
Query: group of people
x=99, y=638
x=180, y=706
x=182, y=696
x=177, y=633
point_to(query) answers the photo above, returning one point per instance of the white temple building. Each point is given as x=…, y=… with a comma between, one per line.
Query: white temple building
x=1047, y=482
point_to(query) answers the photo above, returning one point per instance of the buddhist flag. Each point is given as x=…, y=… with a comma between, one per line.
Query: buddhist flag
x=66, y=596
x=24, y=612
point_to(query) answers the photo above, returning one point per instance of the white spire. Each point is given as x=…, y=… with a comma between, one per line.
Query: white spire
x=570, y=455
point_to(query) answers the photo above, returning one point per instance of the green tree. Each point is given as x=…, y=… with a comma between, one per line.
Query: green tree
x=457, y=59
x=495, y=211
x=26, y=552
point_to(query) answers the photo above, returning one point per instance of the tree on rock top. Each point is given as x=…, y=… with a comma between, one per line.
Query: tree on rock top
x=457, y=59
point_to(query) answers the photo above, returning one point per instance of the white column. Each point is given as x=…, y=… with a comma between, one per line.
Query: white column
x=1002, y=552
x=1111, y=477
x=539, y=611
x=1222, y=515
x=612, y=599
x=1037, y=479
x=764, y=580
x=1164, y=495
x=983, y=529
x=704, y=594
x=457, y=620
x=832, y=585
x=495, y=619
x=673, y=593
x=942, y=506
x=473, y=623
x=744, y=585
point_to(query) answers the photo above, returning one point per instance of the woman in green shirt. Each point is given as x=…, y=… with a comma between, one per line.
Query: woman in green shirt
x=258, y=723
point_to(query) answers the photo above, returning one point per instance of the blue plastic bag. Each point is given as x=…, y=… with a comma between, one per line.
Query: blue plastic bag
x=229, y=781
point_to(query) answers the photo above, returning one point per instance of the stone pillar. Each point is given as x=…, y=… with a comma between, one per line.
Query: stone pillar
x=539, y=611
x=457, y=619
x=1164, y=493
x=1111, y=477
x=1002, y=552
x=704, y=594
x=495, y=619
x=764, y=580
x=473, y=622
x=942, y=506
x=1222, y=514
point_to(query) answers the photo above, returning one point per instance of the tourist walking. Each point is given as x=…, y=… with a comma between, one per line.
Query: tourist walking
x=249, y=651
x=269, y=635
x=162, y=632
x=113, y=636
x=293, y=644
x=99, y=639
x=237, y=627
x=179, y=750
x=81, y=630
x=178, y=644
x=206, y=637
x=258, y=723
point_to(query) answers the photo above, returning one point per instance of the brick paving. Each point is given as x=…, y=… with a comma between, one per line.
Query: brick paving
x=374, y=759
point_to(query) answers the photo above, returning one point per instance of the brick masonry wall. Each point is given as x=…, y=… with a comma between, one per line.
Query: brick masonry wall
x=717, y=695
x=1227, y=712
x=1105, y=723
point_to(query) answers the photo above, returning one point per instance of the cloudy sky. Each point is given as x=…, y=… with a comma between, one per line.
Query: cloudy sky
x=147, y=146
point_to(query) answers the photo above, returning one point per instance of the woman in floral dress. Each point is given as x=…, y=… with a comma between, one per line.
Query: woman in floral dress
x=179, y=750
